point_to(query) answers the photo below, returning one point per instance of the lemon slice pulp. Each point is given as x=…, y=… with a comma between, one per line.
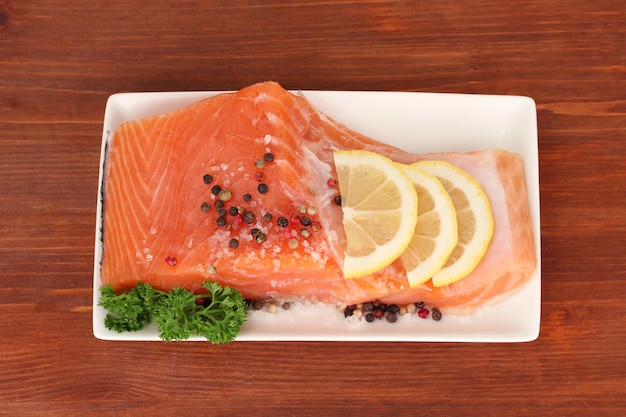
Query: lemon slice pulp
x=474, y=220
x=379, y=205
x=435, y=234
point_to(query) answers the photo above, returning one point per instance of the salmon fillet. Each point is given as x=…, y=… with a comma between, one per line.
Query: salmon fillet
x=163, y=223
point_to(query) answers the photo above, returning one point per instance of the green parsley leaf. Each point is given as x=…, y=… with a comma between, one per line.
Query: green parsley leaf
x=179, y=314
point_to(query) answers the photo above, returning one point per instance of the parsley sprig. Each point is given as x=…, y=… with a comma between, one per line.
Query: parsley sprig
x=216, y=315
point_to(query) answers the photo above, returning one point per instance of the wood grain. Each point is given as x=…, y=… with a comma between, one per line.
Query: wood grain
x=59, y=61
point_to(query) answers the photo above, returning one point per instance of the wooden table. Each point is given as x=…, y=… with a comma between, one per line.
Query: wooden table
x=60, y=60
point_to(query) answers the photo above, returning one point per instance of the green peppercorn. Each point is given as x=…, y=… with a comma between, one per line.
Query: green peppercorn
x=259, y=163
x=225, y=194
x=260, y=237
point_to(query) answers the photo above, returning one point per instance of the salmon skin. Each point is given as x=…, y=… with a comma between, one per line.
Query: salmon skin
x=235, y=189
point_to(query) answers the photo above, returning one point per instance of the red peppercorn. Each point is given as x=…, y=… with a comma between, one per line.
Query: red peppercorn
x=331, y=182
x=171, y=260
x=379, y=313
x=259, y=176
x=423, y=312
x=294, y=218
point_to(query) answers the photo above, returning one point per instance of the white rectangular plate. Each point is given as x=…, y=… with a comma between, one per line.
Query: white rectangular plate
x=416, y=122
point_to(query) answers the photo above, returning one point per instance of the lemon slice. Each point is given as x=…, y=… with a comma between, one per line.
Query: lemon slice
x=435, y=234
x=474, y=220
x=379, y=205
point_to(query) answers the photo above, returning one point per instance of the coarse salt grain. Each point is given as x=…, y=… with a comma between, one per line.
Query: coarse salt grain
x=267, y=139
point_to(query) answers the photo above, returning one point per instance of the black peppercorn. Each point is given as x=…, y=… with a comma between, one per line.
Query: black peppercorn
x=370, y=317
x=262, y=188
x=233, y=243
x=436, y=314
x=391, y=317
x=233, y=211
x=267, y=217
x=305, y=221
x=221, y=221
x=208, y=179
x=247, y=198
x=282, y=221
x=268, y=157
x=337, y=200
x=205, y=207
x=248, y=217
x=216, y=189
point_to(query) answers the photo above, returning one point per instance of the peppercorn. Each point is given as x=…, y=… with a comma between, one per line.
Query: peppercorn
x=247, y=198
x=260, y=237
x=257, y=304
x=208, y=178
x=368, y=306
x=378, y=313
x=419, y=304
x=370, y=317
x=286, y=306
x=267, y=217
x=316, y=226
x=219, y=204
x=233, y=243
x=233, y=211
x=225, y=194
x=259, y=176
x=262, y=188
x=205, y=207
x=436, y=314
x=221, y=221
x=305, y=221
x=393, y=308
x=391, y=317
x=282, y=221
x=293, y=243
x=304, y=232
x=337, y=199
x=268, y=157
x=171, y=260
x=259, y=163
x=248, y=217
x=221, y=212
x=348, y=311
x=254, y=231
x=331, y=182
x=215, y=190
x=423, y=312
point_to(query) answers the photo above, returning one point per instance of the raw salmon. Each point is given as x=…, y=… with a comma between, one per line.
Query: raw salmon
x=278, y=234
